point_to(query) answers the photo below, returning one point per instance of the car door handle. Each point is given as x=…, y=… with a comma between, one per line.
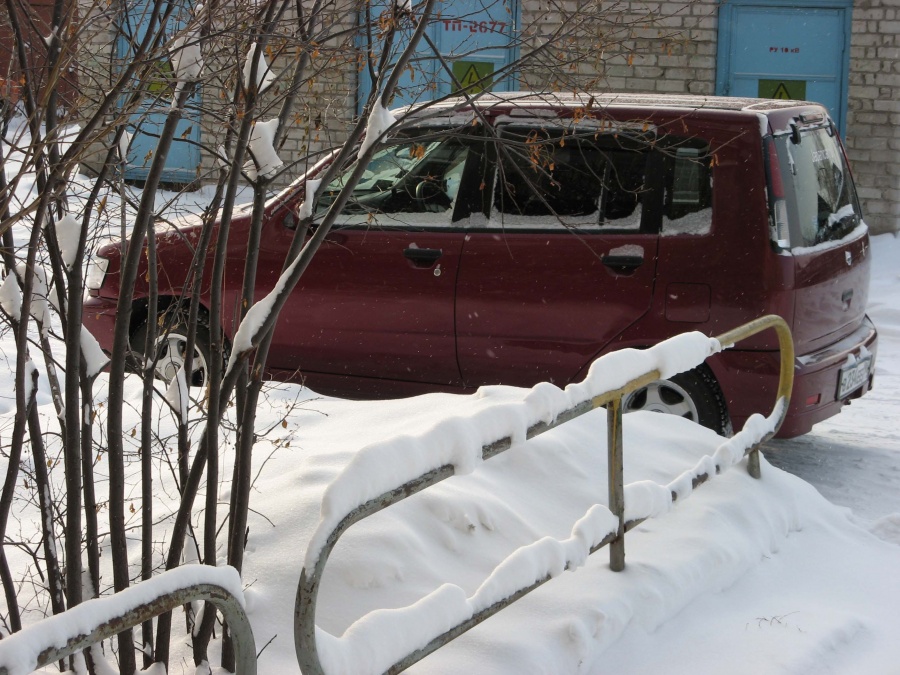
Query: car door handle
x=622, y=264
x=423, y=257
x=846, y=298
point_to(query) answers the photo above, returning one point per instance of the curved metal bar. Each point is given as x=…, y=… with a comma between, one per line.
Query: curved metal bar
x=13, y=654
x=308, y=588
x=785, y=375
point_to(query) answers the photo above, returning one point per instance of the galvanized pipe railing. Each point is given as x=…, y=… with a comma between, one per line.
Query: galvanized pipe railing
x=58, y=637
x=307, y=591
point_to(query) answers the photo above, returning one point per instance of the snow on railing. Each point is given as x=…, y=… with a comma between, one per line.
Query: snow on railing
x=385, y=473
x=58, y=637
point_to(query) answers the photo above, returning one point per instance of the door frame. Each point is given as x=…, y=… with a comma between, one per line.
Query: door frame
x=507, y=83
x=175, y=171
x=728, y=27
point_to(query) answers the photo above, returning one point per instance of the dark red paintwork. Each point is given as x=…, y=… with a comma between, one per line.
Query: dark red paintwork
x=521, y=307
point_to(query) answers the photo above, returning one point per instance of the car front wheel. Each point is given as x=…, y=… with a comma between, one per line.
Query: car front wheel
x=171, y=349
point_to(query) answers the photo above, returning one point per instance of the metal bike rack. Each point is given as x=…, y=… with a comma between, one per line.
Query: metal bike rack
x=305, y=606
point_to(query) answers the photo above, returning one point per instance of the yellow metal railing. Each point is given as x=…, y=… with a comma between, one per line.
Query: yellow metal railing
x=748, y=442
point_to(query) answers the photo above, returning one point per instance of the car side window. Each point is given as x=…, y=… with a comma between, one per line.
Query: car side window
x=687, y=207
x=590, y=182
x=411, y=176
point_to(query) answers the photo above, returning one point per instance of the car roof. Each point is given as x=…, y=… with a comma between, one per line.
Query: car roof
x=526, y=99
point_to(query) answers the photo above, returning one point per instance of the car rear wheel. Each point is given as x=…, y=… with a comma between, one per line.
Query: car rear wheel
x=171, y=349
x=694, y=395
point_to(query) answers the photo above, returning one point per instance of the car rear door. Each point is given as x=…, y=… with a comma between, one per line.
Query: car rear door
x=828, y=239
x=564, y=261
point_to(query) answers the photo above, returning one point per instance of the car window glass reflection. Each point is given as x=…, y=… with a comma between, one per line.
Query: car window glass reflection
x=411, y=177
x=550, y=180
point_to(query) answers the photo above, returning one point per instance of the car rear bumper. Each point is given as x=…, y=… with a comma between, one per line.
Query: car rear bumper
x=749, y=380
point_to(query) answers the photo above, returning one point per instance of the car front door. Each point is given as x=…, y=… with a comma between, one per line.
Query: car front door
x=377, y=300
x=565, y=261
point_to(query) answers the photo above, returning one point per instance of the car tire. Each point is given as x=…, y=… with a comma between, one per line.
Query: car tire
x=694, y=395
x=171, y=343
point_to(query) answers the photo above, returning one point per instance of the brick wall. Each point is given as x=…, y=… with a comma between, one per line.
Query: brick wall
x=873, y=126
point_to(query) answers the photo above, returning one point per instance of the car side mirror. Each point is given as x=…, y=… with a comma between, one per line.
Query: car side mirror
x=290, y=220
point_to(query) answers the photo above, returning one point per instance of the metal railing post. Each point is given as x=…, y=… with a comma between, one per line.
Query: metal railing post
x=785, y=373
x=616, y=480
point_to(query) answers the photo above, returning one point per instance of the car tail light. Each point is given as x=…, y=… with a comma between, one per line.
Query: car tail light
x=780, y=234
x=96, y=272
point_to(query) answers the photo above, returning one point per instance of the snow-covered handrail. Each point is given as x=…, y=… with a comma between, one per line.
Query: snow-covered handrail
x=58, y=637
x=446, y=613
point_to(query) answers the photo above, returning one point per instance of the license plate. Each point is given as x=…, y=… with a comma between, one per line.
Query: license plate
x=853, y=376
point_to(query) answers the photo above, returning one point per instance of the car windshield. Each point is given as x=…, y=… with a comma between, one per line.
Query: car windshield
x=822, y=204
x=411, y=175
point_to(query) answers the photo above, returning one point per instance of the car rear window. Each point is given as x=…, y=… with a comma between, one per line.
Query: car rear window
x=820, y=197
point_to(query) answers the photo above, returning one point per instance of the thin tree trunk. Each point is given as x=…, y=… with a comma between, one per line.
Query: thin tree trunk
x=45, y=502
x=148, y=368
x=121, y=346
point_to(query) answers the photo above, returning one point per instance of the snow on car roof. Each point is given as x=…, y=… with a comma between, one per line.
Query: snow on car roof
x=564, y=99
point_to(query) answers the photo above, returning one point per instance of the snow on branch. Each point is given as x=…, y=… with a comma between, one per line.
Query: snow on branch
x=265, y=162
x=187, y=59
x=265, y=78
x=177, y=395
x=380, y=120
x=95, y=358
x=11, y=297
x=250, y=327
x=68, y=235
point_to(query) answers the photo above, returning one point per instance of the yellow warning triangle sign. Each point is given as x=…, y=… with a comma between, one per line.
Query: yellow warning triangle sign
x=471, y=77
x=782, y=92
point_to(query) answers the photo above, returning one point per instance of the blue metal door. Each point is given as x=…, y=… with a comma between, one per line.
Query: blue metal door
x=146, y=123
x=785, y=52
x=474, y=37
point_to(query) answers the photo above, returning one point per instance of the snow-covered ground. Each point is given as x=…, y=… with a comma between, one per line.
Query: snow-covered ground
x=746, y=576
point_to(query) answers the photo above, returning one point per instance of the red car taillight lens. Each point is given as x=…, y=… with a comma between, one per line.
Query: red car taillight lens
x=780, y=234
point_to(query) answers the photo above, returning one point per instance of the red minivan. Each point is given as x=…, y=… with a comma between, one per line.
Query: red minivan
x=519, y=241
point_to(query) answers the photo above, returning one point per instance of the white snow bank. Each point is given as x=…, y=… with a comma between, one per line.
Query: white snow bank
x=363, y=649
x=458, y=441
